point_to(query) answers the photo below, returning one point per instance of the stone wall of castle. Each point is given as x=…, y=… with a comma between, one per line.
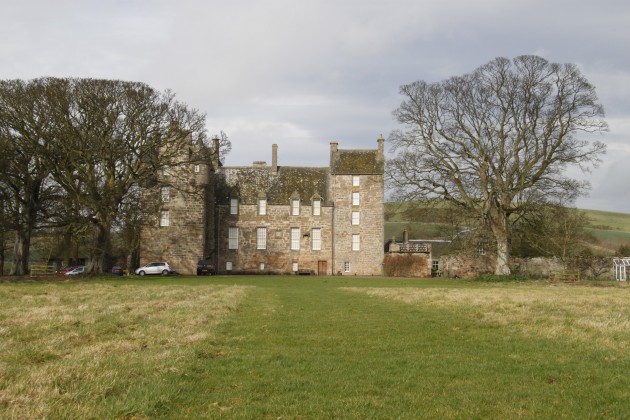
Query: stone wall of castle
x=367, y=257
x=277, y=255
x=200, y=221
x=177, y=232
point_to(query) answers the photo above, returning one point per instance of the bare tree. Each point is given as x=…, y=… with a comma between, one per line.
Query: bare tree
x=111, y=136
x=497, y=140
x=27, y=187
x=225, y=146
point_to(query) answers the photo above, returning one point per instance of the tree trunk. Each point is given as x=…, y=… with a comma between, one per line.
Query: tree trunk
x=499, y=225
x=2, y=249
x=21, y=250
x=130, y=264
x=101, y=250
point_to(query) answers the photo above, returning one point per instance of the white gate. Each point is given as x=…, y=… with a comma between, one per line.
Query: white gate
x=620, y=268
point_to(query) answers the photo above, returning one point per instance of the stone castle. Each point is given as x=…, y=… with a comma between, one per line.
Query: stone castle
x=270, y=218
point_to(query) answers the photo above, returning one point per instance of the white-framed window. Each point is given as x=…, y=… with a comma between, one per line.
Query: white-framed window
x=435, y=265
x=262, y=206
x=165, y=193
x=233, y=238
x=481, y=248
x=295, y=207
x=295, y=239
x=356, y=217
x=166, y=171
x=228, y=265
x=233, y=205
x=355, y=198
x=164, y=218
x=316, y=237
x=356, y=242
x=261, y=238
x=317, y=207
x=197, y=168
x=261, y=266
x=346, y=266
x=294, y=266
x=355, y=180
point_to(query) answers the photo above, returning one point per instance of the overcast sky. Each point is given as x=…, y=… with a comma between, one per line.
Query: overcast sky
x=304, y=73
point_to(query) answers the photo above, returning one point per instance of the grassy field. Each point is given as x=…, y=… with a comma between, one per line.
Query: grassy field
x=609, y=220
x=302, y=347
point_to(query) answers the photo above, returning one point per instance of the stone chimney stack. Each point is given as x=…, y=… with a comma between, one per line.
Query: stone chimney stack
x=381, y=145
x=405, y=236
x=274, y=159
x=333, y=152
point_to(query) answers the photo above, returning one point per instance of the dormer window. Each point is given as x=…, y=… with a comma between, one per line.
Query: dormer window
x=317, y=207
x=294, y=203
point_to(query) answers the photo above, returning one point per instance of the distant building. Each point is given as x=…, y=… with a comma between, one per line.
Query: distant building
x=271, y=218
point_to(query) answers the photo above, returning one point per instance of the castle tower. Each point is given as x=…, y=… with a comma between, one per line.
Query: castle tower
x=177, y=230
x=357, y=190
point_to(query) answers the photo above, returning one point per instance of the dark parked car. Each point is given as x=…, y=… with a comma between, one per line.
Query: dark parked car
x=206, y=267
x=118, y=270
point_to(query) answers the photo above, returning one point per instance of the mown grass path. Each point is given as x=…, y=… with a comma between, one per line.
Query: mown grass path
x=310, y=348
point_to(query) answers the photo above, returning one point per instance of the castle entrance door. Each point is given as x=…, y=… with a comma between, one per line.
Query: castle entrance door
x=322, y=268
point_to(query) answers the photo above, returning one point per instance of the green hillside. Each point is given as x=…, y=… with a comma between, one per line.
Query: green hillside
x=607, y=220
x=610, y=229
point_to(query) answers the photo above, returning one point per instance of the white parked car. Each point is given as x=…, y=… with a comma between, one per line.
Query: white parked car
x=154, y=268
x=75, y=271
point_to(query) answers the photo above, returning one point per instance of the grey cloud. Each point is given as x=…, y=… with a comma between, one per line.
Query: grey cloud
x=301, y=74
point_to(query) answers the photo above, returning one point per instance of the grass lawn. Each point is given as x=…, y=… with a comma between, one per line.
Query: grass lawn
x=309, y=347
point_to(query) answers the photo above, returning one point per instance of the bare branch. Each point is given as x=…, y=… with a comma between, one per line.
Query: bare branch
x=498, y=139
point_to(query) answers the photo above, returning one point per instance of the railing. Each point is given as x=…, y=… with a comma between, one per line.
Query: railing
x=414, y=247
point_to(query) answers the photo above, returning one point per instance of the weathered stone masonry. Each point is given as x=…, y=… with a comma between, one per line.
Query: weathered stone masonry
x=320, y=220
x=178, y=231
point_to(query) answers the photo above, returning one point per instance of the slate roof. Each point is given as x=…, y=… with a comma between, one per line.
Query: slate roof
x=251, y=183
x=357, y=162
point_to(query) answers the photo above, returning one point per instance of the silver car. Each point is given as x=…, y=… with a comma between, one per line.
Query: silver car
x=154, y=268
x=76, y=271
